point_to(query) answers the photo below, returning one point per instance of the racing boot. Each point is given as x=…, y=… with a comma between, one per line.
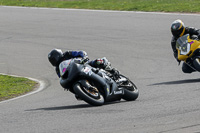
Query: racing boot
x=115, y=73
x=106, y=65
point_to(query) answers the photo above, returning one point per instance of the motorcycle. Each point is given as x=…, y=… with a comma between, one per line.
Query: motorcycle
x=189, y=51
x=95, y=86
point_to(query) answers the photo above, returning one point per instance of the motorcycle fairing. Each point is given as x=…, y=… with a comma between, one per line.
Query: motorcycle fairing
x=87, y=70
x=107, y=85
x=186, y=47
x=63, y=67
x=79, y=72
x=183, y=45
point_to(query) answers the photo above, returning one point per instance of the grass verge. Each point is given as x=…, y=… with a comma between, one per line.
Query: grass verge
x=11, y=87
x=123, y=5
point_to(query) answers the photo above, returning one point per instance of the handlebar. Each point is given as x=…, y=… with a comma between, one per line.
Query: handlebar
x=81, y=60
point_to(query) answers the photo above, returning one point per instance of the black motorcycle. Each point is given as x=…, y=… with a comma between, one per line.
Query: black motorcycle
x=95, y=86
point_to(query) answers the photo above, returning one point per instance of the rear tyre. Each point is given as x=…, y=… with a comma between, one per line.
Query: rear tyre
x=93, y=99
x=131, y=92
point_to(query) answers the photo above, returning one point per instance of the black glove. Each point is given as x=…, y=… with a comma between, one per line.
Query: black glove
x=81, y=61
x=84, y=60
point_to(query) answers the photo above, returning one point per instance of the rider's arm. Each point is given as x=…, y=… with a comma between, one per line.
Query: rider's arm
x=57, y=71
x=173, y=45
x=72, y=54
x=192, y=31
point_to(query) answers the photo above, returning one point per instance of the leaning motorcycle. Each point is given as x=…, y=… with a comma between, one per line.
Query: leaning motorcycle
x=95, y=86
x=189, y=51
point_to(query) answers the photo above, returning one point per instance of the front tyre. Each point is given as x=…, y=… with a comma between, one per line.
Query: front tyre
x=196, y=63
x=131, y=92
x=92, y=99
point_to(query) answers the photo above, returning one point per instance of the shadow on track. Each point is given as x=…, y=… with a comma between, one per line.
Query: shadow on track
x=73, y=106
x=186, y=81
x=63, y=107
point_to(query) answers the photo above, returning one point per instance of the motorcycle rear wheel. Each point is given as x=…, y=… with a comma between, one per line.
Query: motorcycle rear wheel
x=92, y=99
x=131, y=92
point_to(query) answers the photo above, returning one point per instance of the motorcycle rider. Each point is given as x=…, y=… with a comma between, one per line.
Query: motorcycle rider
x=56, y=56
x=178, y=29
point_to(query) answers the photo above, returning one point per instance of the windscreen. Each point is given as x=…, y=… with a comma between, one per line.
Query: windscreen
x=183, y=45
x=182, y=42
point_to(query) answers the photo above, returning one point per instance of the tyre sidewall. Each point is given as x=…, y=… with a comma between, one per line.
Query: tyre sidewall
x=196, y=64
x=96, y=102
x=130, y=95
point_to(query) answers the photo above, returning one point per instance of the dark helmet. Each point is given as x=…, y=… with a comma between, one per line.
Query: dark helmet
x=178, y=28
x=55, y=57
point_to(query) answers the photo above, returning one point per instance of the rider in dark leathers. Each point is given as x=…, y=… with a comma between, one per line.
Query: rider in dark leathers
x=56, y=56
x=178, y=29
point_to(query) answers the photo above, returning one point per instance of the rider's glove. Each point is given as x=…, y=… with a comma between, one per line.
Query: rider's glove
x=84, y=60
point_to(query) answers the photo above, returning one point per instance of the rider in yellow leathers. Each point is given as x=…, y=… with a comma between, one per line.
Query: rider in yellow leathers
x=178, y=29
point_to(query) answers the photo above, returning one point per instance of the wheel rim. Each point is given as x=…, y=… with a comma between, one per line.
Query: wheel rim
x=129, y=84
x=94, y=94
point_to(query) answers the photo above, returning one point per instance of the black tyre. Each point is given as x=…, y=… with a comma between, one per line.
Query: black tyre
x=131, y=92
x=95, y=99
x=196, y=64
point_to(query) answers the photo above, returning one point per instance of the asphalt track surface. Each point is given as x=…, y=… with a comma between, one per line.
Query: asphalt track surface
x=136, y=43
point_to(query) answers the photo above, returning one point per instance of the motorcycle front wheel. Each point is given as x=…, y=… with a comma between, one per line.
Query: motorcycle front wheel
x=196, y=63
x=95, y=98
x=131, y=92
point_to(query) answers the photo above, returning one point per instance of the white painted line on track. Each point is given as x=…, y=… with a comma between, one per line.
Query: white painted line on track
x=36, y=90
x=106, y=11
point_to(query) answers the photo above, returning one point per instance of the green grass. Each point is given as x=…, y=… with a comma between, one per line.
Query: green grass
x=14, y=86
x=123, y=5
